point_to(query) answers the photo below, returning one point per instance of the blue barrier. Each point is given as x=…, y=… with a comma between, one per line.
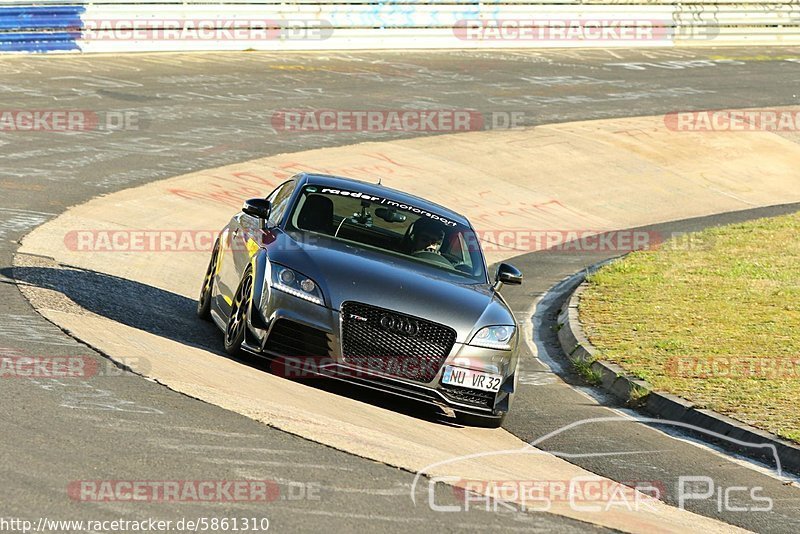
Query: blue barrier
x=107, y=26
x=40, y=28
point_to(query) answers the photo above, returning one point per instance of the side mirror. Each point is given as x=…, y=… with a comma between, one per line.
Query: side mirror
x=507, y=274
x=257, y=207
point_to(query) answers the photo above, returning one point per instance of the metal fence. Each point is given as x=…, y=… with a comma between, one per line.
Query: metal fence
x=159, y=25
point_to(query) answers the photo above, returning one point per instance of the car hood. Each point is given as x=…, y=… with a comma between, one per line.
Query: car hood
x=345, y=272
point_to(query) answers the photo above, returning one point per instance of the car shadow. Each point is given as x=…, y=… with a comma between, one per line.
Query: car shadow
x=173, y=317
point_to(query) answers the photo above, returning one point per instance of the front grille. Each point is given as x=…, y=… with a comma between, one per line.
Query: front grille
x=472, y=397
x=394, y=343
x=295, y=340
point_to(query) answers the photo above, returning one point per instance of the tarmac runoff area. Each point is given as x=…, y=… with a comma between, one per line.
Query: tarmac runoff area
x=586, y=177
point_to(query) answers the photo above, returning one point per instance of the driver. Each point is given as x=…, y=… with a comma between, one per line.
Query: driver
x=427, y=236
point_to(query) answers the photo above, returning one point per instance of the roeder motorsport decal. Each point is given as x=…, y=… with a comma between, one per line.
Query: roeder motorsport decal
x=389, y=202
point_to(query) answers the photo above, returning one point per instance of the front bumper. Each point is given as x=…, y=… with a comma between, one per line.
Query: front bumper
x=282, y=325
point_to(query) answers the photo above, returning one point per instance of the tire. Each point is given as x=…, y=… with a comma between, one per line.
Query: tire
x=204, y=302
x=237, y=321
x=468, y=419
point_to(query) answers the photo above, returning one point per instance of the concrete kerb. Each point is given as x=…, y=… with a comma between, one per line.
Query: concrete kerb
x=639, y=394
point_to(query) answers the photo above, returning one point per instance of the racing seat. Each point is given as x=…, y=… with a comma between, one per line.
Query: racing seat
x=317, y=215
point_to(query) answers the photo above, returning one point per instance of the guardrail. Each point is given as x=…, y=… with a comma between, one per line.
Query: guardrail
x=162, y=25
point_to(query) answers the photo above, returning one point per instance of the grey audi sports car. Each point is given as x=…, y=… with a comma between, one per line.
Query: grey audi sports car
x=335, y=277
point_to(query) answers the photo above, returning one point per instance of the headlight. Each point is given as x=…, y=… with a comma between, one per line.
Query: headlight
x=494, y=337
x=294, y=283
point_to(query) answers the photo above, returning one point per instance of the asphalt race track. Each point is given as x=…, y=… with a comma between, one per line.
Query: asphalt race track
x=201, y=111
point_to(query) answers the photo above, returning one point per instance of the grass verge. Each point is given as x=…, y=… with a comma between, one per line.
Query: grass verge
x=713, y=317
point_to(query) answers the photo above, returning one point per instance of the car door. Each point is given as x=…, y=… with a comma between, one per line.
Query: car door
x=241, y=241
x=227, y=279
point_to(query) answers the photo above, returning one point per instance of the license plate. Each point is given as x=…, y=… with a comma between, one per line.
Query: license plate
x=467, y=378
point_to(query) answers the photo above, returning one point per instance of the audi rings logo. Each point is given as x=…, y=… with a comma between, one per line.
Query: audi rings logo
x=400, y=325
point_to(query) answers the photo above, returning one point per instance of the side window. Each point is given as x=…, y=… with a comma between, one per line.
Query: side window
x=466, y=257
x=280, y=201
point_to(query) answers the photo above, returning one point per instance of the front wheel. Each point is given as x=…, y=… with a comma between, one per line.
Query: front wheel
x=240, y=309
x=204, y=302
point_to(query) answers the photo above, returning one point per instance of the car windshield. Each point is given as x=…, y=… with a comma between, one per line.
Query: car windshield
x=390, y=226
